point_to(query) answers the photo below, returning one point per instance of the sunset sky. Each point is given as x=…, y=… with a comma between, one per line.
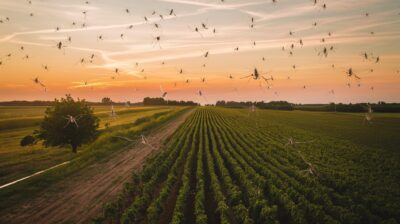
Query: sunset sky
x=145, y=64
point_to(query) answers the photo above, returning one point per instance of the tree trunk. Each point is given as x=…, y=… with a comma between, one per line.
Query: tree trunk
x=74, y=147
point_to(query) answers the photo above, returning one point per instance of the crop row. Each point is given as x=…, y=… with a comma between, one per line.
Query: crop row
x=226, y=167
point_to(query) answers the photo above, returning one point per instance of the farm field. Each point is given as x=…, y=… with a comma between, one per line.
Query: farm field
x=17, y=122
x=237, y=166
x=200, y=112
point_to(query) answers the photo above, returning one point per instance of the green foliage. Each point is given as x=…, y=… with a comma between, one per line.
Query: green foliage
x=28, y=140
x=57, y=130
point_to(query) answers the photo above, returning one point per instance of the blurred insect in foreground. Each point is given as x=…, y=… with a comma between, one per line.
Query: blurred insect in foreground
x=252, y=109
x=256, y=76
x=163, y=93
x=350, y=73
x=291, y=141
x=72, y=120
x=368, y=115
x=60, y=45
x=37, y=81
x=311, y=169
x=145, y=141
x=113, y=113
x=156, y=41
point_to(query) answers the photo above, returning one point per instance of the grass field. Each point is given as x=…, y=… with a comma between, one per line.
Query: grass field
x=236, y=166
x=16, y=122
x=138, y=121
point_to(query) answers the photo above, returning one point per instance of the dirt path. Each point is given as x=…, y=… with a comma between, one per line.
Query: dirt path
x=84, y=194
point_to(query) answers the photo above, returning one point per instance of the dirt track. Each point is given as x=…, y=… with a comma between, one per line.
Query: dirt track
x=84, y=193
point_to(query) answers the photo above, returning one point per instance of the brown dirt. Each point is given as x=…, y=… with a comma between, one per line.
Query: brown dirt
x=83, y=194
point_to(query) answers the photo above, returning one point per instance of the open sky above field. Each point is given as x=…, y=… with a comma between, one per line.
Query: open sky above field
x=129, y=43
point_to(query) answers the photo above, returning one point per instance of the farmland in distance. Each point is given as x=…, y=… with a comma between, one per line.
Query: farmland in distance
x=242, y=166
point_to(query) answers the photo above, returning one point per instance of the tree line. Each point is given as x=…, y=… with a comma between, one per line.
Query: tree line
x=105, y=101
x=161, y=101
x=332, y=107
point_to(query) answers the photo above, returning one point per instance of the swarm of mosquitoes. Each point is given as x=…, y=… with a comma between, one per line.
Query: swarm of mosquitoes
x=200, y=29
x=204, y=29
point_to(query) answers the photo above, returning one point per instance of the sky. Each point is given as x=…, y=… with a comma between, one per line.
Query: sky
x=130, y=49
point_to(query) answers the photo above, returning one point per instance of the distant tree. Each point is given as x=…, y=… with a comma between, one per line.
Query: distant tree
x=28, y=140
x=68, y=122
x=106, y=100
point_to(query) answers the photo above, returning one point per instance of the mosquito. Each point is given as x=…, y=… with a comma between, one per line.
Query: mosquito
x=350, y=73
x=368, y=115
x=113, y=113
x=26, y=57
x=310, y=170
x=144, y=141
x=365, y=55
x=72, y=120
x=291, y=141
x=256, y=76
x=38, y=82
x=163, y=93
x=60, y=45
x=323, y=52
x=157, y=40
x=122, y=137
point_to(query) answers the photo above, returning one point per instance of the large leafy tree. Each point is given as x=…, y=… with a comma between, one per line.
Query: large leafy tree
x=68, y=122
